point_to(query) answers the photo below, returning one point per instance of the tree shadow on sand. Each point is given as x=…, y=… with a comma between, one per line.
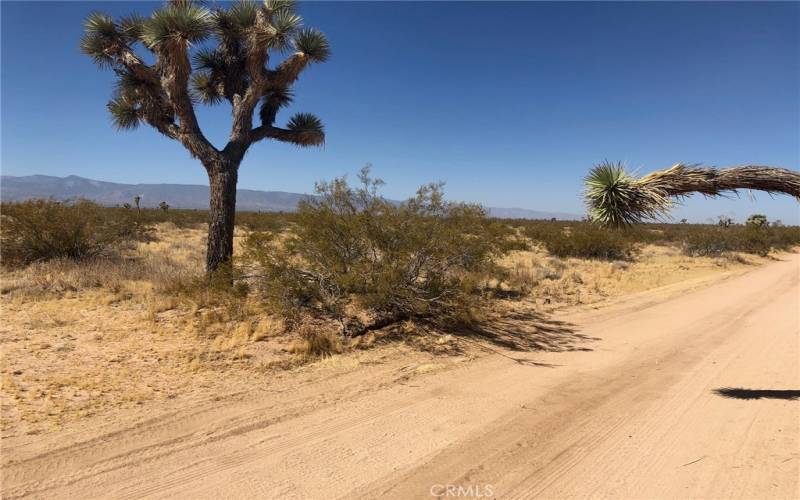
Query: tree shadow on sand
x=531, y=331
x=739, y=393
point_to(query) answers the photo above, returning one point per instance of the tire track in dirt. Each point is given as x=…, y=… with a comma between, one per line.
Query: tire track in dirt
x=569, y=437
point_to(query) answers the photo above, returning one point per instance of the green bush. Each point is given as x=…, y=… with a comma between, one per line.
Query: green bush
x=584, y=241
x=183, y=218
x=755, y=239
x=712, y=242
x=39, y=230
x=364, y=261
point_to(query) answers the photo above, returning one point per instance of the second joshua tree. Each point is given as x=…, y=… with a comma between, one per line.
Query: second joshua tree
x=236, y=69
x=614, y=198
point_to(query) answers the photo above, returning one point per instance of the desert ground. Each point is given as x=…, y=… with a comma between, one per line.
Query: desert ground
x=665, y=377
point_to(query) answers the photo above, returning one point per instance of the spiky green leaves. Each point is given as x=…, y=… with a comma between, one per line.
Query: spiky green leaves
x=100, y=36
x=209, y=59
x=276, y=6
x=278, y=33
x=272, y=101
x=279, y=97
x=205, y=89
x=100, y=24
x=616, y=199
x=131, y=27
x=124, y=113
x=237, y=20
x=206, y=84
x=313, y=44
x=177, y=22
x=272, y=24
x=235, y=70
x=307, y=130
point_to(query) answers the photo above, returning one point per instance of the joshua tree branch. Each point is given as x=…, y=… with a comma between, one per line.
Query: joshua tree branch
x=153, y=85
x=299, y=137
x=135, y=66
x=167, y=128
x=682, y=180
x=287, y=72
x=243, y=108
x=615, y=199
x=176, y=70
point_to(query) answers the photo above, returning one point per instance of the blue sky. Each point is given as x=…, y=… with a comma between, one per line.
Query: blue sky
x=509, y=103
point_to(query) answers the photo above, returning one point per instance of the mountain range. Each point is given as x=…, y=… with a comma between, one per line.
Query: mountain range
x=19, y=188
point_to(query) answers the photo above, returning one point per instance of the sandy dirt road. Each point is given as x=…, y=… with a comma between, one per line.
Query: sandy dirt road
x=692, y=396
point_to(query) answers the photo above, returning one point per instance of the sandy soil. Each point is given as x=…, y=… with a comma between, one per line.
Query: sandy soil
x=88, y=344
x=690, y=390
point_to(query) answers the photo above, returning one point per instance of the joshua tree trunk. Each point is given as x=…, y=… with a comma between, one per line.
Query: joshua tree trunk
x=221, y=214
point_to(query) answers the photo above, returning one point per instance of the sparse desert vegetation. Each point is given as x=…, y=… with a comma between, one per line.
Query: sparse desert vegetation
x=111, y=307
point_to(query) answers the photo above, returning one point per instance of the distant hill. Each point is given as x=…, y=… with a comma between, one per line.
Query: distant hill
x=13, y=188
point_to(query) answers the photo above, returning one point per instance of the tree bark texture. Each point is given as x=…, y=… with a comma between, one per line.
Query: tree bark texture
x=221, y=215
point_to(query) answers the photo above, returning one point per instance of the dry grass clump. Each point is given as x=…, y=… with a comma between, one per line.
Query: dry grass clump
x=316, y=341
x=527, y=270
x=172, y=257
x=115, y=274
x=552, y=283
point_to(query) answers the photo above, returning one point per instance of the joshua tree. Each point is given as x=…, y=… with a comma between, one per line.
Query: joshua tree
x=235, y=68
x=614, y=198
x=136, y=200
x=757, y=220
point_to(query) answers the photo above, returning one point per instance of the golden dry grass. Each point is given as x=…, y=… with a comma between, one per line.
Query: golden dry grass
x=552, y=282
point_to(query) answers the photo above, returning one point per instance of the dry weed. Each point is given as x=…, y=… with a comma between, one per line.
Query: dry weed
x=316, y=341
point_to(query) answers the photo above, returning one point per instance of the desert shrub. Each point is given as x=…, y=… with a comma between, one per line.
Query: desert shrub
x=191, y=218
x=39, y=230
x=784, y=237
x=755, y=239
x=584, y=241
x=365, y=261
x=712, y=242
x=265, y=221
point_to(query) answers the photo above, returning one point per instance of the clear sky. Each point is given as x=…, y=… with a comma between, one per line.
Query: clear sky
x=509, y=103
